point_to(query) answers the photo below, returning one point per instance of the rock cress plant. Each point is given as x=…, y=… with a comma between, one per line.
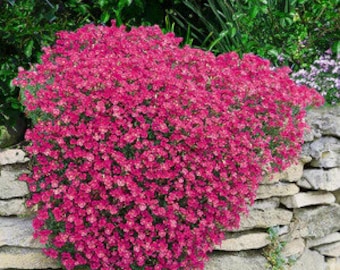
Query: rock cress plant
x=145, y=153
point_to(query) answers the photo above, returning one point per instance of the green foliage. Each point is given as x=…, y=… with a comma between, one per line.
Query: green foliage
x=273, y=252
x=287, y=32
x=28, y=25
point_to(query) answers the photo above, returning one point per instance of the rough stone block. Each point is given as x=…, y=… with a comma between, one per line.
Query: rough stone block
x=331, y=238
x=333, y=264
x=25, y=258
x=330, y=250
x=310, y=260
x=14, y=207
x=291, y=174
x=244, y=241
x=325, y=152
x=324, y=121
x=245, y=260
x=277, y=190
x=294, y=248
x=337, y=195
x=12, y=156
x=303, y=199
x=266, y=204
x=17, y=232
x=11, y=187
x=318, y=179
x=317, y=222
x=265, y=219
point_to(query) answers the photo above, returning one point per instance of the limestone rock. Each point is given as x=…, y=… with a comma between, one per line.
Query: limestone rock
x=25, y=258
x=324, y=121
x=330, y=250
x=310, y=260
x=266, y=204
x=304, y=159
x=333, y=264
x=17, y=232
x=265, y=219
x=325, y=152
x=337, y=195
x=318, y=222
x=14, y=207
x=308, y=198
x=278, y=189
x=331, y=238
x=12, y=156
x=294, y=248
x=291, y=174
x=245, y=260
x=244, y=241
x=10, y=186
x=321, y=179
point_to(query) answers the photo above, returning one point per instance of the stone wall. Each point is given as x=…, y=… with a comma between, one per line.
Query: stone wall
x=301, y=203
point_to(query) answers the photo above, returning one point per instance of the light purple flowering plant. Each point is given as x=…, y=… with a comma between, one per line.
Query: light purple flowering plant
x=324, y=76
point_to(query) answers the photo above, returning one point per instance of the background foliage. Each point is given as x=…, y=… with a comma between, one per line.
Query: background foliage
x=28, y=25
x=288, y=32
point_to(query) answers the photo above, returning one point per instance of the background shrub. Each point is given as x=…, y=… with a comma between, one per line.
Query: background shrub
x=324, y=76
x=293, y=33
x=28, y=25
x=146, y=153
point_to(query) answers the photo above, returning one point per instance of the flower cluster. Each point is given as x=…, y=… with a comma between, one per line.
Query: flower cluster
x=145, y=153
x=324, y=76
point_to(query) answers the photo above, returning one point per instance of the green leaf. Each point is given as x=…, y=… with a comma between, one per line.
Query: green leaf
x=28, y=48
x=253, y=12
x=336, y=47
x=102, y=3
x=105, y=17
x=233, y=32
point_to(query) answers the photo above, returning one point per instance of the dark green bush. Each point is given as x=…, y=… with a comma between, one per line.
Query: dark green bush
x=28, y=25
x=288, y=32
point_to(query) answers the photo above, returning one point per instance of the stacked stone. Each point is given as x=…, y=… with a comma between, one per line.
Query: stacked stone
x=18, y=248
x=302, y=203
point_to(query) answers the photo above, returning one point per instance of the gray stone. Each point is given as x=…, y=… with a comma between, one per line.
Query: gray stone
x=291, y=174
x=325, y=152
x=304, y=159
x=265, y=219
x=330, y=250
x=11, y=187
x=308, y=135
x=266, y=204
x=294, y=248
x=244, y=241
x=279, y=189
x=12, y=156
x=310, y=260
x=245, y=260
x=317, y=222
x=331, y=238
x=333, y=263
x=25, y=258
x=321, y=179
x=14, y=207
x=303, y=199
x=337, y=196
x=324, y=121
x=17, y=232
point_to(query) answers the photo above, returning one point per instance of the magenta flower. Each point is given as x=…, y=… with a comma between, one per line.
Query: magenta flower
x=146, y=153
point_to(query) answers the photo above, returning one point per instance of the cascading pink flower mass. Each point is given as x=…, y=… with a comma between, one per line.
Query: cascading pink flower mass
x=145, y=153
